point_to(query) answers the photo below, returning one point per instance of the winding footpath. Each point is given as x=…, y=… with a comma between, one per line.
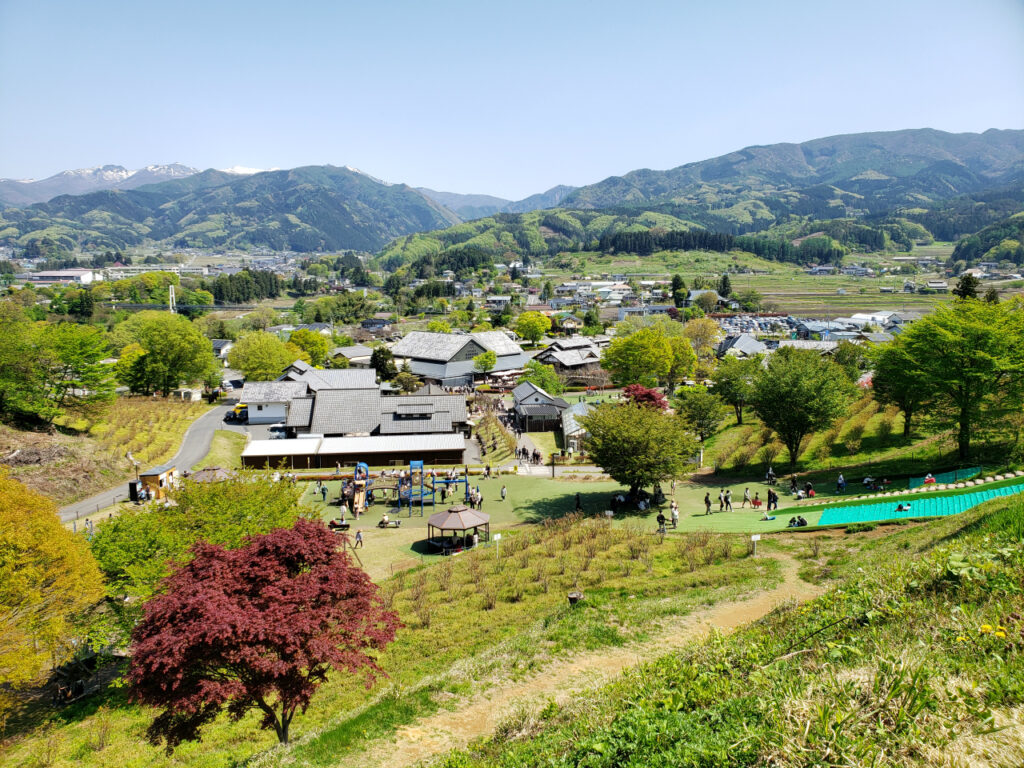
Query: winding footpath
x=560, y=681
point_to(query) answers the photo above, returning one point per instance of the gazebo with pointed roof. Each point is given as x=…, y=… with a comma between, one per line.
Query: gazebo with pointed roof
x=457, y=519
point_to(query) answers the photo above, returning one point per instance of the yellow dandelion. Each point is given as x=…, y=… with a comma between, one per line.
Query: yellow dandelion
x=985, y=629
x=961, y=639
x=997, y=633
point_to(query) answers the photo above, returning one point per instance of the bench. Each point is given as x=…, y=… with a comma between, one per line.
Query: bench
x=389, y=524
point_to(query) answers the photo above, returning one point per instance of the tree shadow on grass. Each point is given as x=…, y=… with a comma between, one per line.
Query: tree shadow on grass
x=592, y=502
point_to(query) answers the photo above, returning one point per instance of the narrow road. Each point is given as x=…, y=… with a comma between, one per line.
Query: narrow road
x=194, y=446
x=480, y=715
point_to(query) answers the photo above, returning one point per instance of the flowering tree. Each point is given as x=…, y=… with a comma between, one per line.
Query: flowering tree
x=259, y=627
x=641, y=395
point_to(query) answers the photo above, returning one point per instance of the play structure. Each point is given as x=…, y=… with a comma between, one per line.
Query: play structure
x=416, y=489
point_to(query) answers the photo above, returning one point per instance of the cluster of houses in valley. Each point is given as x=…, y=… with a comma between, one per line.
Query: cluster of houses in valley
x=338, y=417
x=750, y=335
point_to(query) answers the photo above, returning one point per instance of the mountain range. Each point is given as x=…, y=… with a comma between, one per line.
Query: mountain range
x=330, y=208
x=83, y=180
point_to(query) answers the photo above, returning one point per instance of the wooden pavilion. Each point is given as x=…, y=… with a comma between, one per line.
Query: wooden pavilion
x=457, y=520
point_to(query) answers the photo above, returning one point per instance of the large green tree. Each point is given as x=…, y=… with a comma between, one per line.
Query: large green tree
x=799, y=393
x=734, y=381
x=644, y=357
x=892, y=385
x=136, y=549
x=176, y=351
x=532, y=325
x=543, y=376
x=970, y=357
x=261, y=356
x=74, y=374
x=312, y=343
x=485, y=361
x=638, y=446
x=700, y=410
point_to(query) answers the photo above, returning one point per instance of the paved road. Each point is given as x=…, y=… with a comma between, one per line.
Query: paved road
x=194, y=446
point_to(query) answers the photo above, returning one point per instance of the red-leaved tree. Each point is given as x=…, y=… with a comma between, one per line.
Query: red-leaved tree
x=645, y=396
x=257, y=627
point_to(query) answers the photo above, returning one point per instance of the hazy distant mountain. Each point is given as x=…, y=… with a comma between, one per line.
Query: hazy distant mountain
x=477, y=206
x=850, y=174
x=303, y=209
x=467, y=206
x=83, y=180
x=550, y=199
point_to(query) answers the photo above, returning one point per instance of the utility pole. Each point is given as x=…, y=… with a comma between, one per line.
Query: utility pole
x=171, y=305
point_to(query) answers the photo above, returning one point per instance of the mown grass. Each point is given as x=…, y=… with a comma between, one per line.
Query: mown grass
x=915, y=658
x=469, y=620
x=225, y=450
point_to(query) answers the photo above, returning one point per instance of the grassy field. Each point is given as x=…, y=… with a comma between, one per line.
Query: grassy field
x=470, y=621
x=911, y=660
x=225, y=450
x=68, y=467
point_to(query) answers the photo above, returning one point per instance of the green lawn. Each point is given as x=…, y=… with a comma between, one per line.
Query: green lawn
x=225, y=450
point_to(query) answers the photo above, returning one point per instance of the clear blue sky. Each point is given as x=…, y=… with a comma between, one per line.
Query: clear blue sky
x=501, y=98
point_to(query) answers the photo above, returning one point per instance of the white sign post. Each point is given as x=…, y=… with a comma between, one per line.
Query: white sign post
x=497, y=547
x=755, y=538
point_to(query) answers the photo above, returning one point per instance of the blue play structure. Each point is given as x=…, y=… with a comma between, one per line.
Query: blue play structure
x=409, y=495
x=918, y=506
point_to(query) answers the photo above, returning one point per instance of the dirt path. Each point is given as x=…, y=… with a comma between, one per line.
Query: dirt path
x=480, y=715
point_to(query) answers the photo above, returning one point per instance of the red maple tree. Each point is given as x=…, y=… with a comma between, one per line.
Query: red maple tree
x=258, y=627
x=646, y=396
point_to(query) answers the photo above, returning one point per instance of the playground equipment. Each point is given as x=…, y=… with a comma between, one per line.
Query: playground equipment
x=426, y=493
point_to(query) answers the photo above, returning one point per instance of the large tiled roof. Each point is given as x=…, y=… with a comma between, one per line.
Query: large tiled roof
x=498, y=342
x=334, y=378
x=272, y=391
x=571, y=358
x=430, y=346
x=299, y=412
x=442, y=347
x=345, y=411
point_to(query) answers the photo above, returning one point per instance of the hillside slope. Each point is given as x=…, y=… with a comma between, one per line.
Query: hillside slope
x=851, y=174
x=303, y=209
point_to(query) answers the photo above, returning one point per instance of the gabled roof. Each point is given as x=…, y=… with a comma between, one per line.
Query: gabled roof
x=528, y=389
x=272, y=391
x=570, y=358
x=219, y=344
x=333, y=378
x=498, y=342
x=299, y=412
x=571, y=343
x=571, y=416
x=353, y=351
x=743, y=344
x=345, y=411
x=430, y=346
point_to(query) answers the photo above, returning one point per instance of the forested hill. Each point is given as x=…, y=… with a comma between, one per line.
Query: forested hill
x=303, y=209
x=849, y=175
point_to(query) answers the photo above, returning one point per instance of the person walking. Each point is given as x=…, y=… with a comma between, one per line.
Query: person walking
x=504, y=492
x=746, y=498
x=675, y=514
x=728, y=500
x=721, y=500
x=707, y=503
x=359, y=540
x=323, y=493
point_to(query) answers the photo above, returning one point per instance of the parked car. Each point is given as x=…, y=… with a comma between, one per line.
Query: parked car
x=277, y=431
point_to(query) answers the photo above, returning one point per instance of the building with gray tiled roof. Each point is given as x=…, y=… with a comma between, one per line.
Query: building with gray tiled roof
x=447, y=358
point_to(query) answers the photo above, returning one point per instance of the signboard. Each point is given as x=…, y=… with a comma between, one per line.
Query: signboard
x=609, y=514
x=497, y=537
x=756, y=537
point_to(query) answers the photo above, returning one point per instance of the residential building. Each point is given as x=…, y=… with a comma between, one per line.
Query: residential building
x=447, y=358
x=535, y=410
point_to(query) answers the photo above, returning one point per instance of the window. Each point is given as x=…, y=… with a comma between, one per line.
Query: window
x=259, y=407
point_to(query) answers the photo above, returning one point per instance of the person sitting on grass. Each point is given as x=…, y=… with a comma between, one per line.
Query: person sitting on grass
x=766, y=516
x=792, y=523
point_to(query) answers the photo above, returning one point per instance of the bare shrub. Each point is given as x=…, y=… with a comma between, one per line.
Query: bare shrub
x=424, y=613
x=489, y=598
x=743, y=456
x=769, y=452
x=815, y=547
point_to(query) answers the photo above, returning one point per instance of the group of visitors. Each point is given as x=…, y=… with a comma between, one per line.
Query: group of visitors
x=476, y=499
x=525, y=456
